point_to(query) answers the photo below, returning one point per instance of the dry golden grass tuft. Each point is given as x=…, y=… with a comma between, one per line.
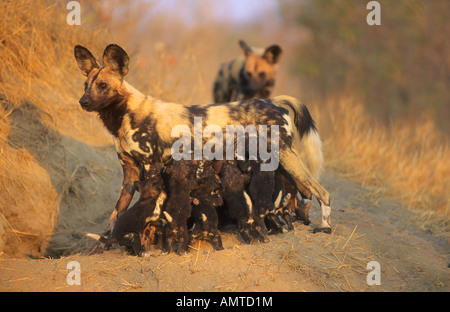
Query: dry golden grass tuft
x=38, y=114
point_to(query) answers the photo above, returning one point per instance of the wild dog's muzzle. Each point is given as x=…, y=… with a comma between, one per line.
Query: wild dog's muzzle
x=83, y=102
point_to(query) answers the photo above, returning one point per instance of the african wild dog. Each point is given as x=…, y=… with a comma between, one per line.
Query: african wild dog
x=129, y=231
x=260, y=191
x=238, y=204
x=268, y=196
x=249, y=76
x=142, y=125
x=281, y=198
x=178, y=206
x=206, y=198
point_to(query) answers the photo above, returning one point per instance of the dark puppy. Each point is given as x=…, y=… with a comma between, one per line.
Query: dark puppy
x=129, y=228
x=238, y=203
x=178, y=208
x=206, y=197
x=281, y=199
x=268, y=196
x=260, y=190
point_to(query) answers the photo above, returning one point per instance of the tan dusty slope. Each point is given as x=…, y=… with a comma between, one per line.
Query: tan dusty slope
x=365, y=228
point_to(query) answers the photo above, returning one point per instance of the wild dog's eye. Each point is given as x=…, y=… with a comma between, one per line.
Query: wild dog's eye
x=248, y=73
x=262, y=75
x=102, y=85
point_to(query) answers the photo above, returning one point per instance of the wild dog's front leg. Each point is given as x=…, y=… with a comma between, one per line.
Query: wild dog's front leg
x=130, y=175
x=303, y=178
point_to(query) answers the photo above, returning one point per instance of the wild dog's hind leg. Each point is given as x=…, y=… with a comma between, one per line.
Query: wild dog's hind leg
x=326, y=216
x=303, y=178
x=303, y=204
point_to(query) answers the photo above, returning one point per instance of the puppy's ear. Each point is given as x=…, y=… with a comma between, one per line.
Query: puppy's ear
x=272, y=54
x=247, y=177
x=169, y=170
x=245, y=48
x=116, y=59
x=86, y=62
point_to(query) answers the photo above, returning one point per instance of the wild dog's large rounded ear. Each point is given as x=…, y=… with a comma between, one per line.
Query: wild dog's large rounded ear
x=273, y=54
x=116, y=59
x=244, y=46
x=86, y=62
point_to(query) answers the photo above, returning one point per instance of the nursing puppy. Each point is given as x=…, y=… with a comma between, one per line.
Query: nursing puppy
x=281, y=217
x=239, y=205
x=178, y=207
x=129, y=230
x=268, y=196
x=206, y=198
x=142, y=126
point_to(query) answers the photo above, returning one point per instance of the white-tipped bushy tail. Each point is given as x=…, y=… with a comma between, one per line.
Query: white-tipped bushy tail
x=307, y=141
x=311, y=152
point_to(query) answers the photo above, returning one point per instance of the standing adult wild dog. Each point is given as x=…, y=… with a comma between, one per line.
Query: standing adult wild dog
x=142, y=125
x=249, y=76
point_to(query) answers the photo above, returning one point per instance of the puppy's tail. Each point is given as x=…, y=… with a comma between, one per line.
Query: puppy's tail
x=99, y=238
x=307, y=141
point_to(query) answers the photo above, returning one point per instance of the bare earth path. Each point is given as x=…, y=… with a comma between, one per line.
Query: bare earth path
x=365, y=228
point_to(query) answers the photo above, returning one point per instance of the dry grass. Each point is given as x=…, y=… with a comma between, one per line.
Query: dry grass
x=408, y=160
x=38, y=111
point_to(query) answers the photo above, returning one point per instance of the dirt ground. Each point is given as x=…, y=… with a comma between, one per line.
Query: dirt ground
x=366, y=227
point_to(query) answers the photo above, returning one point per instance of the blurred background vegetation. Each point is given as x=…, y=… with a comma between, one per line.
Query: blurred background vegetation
x=400, y=68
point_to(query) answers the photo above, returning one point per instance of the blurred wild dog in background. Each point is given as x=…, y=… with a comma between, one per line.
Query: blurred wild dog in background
x=249, y=76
